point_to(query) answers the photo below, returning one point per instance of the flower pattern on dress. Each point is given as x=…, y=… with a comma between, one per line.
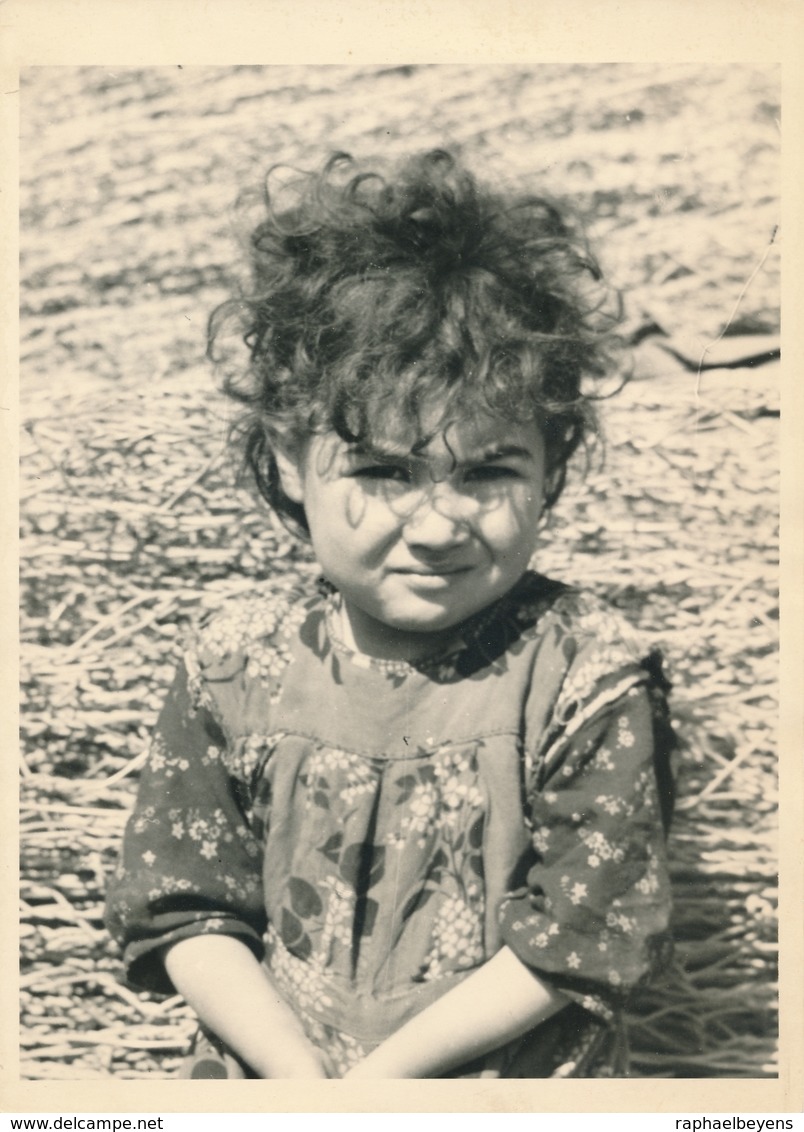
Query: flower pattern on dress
x=386, y=881
x=304, y=984
x=457, y=940
x=164, y=761
x=600, y=848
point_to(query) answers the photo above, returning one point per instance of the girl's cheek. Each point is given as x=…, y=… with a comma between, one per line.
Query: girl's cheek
x=515, y=516
x=527, y=509
x=377, y=510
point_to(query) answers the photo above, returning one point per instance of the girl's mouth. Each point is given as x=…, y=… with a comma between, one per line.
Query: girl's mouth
x=434, y=570
x=433, y=577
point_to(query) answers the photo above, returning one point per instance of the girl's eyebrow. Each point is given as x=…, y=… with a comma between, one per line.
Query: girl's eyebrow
x=387, y=454
x=377, y=452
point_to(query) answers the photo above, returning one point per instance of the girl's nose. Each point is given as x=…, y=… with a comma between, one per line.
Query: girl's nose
x=437, y=524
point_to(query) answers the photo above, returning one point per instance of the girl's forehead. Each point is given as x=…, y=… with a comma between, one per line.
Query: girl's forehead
x=470, y=438
x=468, y=434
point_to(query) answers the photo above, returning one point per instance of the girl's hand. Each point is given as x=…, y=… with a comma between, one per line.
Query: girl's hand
x=364, y=1072
x=498, y=1002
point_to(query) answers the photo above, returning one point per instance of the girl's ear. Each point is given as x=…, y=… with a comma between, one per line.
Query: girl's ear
x=289, y=464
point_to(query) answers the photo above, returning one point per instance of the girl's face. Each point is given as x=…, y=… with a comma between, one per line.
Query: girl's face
x=418, y=542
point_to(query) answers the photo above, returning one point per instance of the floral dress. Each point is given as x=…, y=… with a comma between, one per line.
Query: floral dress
x=376, y=830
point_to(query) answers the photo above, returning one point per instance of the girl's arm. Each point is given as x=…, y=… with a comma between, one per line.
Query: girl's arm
x=231, y=993
x=502, y=1000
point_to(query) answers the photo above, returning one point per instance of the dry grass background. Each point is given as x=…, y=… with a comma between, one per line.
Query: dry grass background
x=132, y=521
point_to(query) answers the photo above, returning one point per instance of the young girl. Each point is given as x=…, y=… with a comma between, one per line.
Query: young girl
x=408, y=823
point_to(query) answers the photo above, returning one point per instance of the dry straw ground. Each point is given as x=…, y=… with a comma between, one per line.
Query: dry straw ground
x=132, y=522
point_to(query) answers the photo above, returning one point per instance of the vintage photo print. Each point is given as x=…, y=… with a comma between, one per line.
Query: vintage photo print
x=399, y=460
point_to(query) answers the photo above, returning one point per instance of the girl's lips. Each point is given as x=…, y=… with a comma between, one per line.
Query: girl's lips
x=433, y=572
x=434, y=578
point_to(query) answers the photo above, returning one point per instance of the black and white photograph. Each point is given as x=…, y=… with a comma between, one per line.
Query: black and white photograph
x=399, y=571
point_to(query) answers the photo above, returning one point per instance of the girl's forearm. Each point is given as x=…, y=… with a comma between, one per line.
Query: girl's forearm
x=231, y=993
x=502, y=1000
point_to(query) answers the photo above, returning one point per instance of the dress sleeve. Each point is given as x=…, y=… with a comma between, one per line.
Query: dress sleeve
x=190, y=863
x=593, y=913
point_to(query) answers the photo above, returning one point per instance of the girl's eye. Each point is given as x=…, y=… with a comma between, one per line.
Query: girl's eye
x=491, y=473
x=393, y=473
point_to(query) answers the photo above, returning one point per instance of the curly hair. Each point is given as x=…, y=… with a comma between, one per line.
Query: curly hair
x=373, y=297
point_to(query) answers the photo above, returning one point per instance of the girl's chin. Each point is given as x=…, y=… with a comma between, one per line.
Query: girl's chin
x=405, y=636
x=426, y=619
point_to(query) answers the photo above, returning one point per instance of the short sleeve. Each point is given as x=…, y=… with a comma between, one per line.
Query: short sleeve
x=593, y=913
x=190, y=863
